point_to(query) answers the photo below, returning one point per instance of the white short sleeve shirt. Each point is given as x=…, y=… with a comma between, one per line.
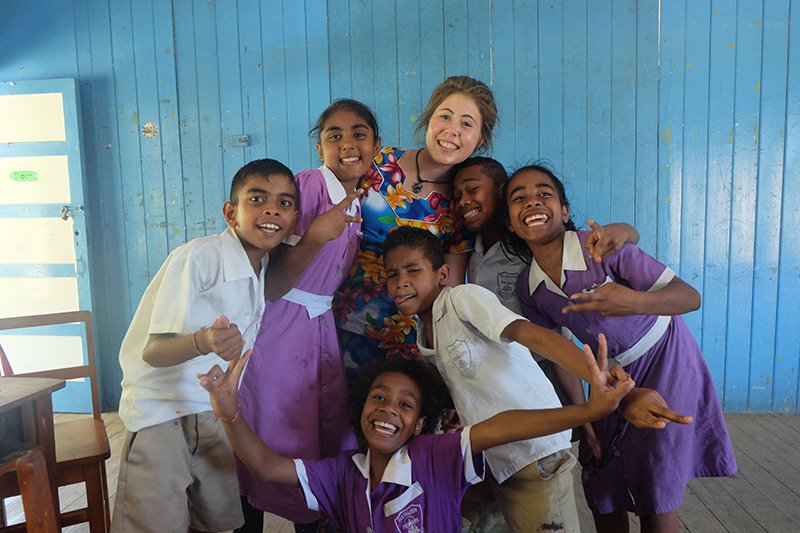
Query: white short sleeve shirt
x=198, y=282
x=487, y=374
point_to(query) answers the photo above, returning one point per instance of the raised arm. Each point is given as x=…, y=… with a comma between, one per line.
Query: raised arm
x=612, y=299
x=645, y=409
x=548, y=344
x=221, y=337
x=287, y=263
x=260, y=459
x=511, y=426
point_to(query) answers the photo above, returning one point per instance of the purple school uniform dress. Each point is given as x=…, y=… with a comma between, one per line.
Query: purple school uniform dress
x=642, y=471
x=294, y=390
x=421, y=489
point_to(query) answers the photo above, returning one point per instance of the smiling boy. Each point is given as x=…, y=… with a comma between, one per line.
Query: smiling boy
x=469, y=335
x=403, y=481
x=204, y=305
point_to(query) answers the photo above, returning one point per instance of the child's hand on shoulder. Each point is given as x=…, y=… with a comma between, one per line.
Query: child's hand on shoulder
x=222, y=338
x=223, y=387
x=606, y=240
x=331, y=224
x=607, y=389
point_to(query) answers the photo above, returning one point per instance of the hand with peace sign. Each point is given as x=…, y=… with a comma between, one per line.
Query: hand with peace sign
x=330, y=224
x=287, y=263
x=261, y=460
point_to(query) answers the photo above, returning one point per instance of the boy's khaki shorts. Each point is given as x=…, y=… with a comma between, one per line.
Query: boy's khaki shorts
x=540, y=497
x=177, y=475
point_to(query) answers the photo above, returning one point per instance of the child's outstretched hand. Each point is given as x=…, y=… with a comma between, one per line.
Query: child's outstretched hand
x=605, y=240
x=610, y=299
x=646, y=408
x=331, y=224
x=606, y=390
x=223, y=387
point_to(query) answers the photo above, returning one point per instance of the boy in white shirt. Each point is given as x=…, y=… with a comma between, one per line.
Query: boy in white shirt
x=204, y=305
x=470, y=335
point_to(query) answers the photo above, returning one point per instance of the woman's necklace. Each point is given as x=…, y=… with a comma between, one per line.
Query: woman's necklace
x=420, y=180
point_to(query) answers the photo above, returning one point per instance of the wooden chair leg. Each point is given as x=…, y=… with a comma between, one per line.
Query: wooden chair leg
x=34, y=487
x=96, y=497
x=94, y=493
x=106, y=510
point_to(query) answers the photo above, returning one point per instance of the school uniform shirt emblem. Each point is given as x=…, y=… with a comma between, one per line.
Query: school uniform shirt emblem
x=506, y=285
x=461, y=355
x=410, y=520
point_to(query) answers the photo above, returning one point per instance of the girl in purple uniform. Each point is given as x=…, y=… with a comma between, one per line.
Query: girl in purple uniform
x=401, y=481
x=294, y=392
x=634, y=300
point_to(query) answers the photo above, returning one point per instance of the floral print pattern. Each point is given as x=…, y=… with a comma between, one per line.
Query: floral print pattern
x=361, y=307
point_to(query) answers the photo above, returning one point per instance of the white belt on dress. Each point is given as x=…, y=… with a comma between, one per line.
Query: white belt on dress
x=315, y=304
x=645, y=343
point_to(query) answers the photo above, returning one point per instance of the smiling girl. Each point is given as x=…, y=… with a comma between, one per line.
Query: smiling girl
x=635, y=301
x=294, y=392
x=401, y=480
x=411, y=187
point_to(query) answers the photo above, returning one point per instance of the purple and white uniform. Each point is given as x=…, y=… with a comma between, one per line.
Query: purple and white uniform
x=421, y=488
x=642, y=471
x=294, y=390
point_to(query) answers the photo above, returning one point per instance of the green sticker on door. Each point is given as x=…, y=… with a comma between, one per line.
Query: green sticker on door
x=24, y=175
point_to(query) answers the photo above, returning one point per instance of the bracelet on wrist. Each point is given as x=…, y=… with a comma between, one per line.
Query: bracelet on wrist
x=230, y=419
x=194, y=341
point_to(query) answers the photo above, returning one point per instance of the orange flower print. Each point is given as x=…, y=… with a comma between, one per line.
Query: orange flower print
x=404, y=323
x=374, y=271
x=397, y=197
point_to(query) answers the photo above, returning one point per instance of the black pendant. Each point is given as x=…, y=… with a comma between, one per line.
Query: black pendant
x=417, y=187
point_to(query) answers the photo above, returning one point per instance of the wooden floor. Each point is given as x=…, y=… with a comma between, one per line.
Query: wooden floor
x=763, y=496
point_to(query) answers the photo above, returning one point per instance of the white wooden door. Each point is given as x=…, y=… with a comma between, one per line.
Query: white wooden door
x=43, y=249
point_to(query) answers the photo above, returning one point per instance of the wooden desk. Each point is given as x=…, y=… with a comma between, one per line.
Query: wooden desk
x=26, y=421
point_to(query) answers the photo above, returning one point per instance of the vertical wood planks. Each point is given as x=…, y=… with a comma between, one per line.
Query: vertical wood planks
x=694, y=150
x=787, y=334
x=623, y=106
x=722, y=59
x=647, y=58
x=578, y=170
x=743, y=203
x=693, y=138
x=670, y=127
x=771, y=129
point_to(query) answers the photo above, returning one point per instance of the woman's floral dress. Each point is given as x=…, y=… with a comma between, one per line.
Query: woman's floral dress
x=367, y=319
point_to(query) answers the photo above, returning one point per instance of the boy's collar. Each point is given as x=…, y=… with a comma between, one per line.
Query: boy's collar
x=235, y=264
x=571, y=259
x=398, y=470
x=336, y=192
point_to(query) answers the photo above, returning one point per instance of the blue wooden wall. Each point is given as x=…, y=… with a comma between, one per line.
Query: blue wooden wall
x=681, y=117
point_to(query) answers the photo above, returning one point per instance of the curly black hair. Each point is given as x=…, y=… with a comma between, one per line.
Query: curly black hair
x=434, y=392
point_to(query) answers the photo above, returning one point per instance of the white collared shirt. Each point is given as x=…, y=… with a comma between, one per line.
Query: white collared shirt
x=487, y=374
x=198, y=282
